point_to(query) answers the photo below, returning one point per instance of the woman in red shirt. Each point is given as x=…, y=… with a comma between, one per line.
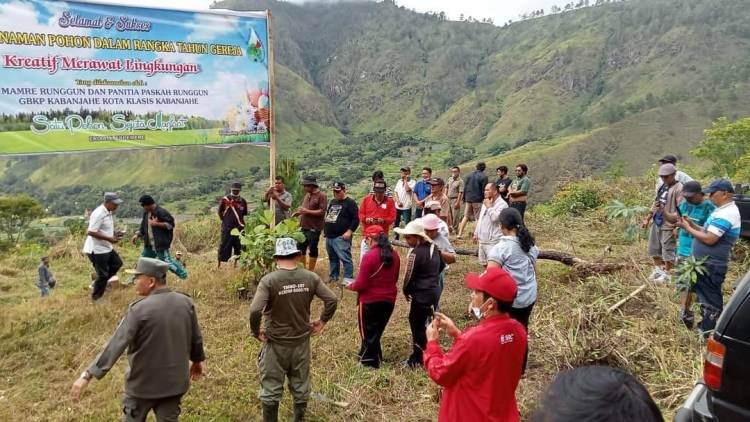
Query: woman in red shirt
x=376, y=285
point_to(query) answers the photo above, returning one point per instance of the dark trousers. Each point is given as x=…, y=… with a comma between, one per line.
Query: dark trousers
x=312, y=237
x=106, y=265
x=420, y=315
x=402, y=215
x=166, y=409
x=373, y=318
x=523, y=315
x=708, y=290
x=418, y=212
x=229, y=245
x=520, y=206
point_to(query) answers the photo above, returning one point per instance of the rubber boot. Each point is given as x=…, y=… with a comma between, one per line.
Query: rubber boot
x=299, y=411
x=311, y=263
x=271, y=412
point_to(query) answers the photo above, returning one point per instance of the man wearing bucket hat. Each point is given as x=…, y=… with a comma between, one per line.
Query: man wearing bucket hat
x=714, y=242
x=421, y=285
x=232, y=211
x=698, y=209
x=661, y=239
x=311, y=219
x=283, y=299
x=164, y=343
x=99, y=243
x=480, y=373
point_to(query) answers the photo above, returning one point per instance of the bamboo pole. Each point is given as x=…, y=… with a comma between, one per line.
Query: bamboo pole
x=272, y=132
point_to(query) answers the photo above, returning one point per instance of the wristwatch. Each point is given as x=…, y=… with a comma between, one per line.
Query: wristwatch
x=86, y=375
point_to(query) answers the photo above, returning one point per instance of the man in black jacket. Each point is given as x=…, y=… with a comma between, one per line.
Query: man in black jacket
x=157, y=230
x=473, y=196
x=341, y=221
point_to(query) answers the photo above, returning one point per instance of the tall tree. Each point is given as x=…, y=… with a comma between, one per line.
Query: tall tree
x=16, y=213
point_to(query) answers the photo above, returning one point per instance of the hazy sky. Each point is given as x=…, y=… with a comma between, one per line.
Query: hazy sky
x=499, y=10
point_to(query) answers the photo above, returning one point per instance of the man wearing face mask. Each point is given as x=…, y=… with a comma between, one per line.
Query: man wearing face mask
x=165, y=347
x=480, y=373
x=714, y=242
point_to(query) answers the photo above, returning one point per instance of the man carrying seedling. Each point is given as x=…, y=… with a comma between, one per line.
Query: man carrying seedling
x=157, y=230
x=232, y=212
x=283, y=297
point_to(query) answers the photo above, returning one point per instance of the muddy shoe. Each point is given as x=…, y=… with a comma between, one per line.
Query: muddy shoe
x=688, y=319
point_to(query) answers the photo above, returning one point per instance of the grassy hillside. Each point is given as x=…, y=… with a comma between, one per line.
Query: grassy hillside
x=45, y=344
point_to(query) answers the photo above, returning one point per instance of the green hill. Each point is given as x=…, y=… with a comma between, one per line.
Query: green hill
x=615, y=84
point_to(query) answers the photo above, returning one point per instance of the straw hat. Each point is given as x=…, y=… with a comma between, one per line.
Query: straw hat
x=414, y=228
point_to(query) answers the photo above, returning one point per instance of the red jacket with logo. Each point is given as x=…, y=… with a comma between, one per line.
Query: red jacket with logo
x=480, y=373
x=371, y=208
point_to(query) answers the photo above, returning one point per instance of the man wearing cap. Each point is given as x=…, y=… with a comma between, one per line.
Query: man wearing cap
x=376, y=209
x=232, y=212
x=473, y=196
x=278, y=197
x=421, y=190
x=713, y=243
x=98, y=247
x=698, y=209
x=424, y=263
x=661, y=240
x=438, y=194
x=311, y=219
x=156, y=231
x=403, y=197
x=481, y=371
x=283, y=299
x=681, y=176
x=455, y=187
x=487, y=232
x=164, y=343
x=341, y=221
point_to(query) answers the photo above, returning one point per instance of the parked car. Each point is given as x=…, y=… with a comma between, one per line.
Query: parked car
x=723, y=394
x=743, y=203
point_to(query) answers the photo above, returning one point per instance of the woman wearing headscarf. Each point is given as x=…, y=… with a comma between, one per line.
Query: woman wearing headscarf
x=376, y=285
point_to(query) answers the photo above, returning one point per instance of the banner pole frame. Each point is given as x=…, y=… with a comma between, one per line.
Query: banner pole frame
x=272, y=132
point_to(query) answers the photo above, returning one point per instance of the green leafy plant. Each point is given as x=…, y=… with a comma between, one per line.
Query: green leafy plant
x=258, y=240
x=577, y=198
x=687, y=272
x=617, y=210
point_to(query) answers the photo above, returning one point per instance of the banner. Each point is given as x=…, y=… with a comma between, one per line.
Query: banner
x=83, y=76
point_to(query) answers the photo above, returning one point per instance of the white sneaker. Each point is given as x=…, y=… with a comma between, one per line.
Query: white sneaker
x=663, y=278
x=655, y=273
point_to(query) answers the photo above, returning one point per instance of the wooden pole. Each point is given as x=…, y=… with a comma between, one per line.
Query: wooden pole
x=272, y=132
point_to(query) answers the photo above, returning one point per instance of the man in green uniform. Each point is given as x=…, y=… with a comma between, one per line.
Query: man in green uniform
x=283, y=297
x=518, y=192
x=162, y=336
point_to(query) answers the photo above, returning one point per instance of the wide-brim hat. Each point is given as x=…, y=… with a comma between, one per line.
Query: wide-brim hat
x=285, y=246
x=431, y=222
x=150, y=267
x=413, y=228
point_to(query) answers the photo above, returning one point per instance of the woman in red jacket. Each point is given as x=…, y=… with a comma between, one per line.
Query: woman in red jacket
x=376, y=285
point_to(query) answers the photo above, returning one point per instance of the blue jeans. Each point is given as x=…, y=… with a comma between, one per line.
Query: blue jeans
x=340, y=251
x=402, y=215
x=43, y=289
x=708, y=290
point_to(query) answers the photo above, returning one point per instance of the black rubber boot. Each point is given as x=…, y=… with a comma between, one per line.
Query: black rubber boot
x=270, y=412
x=299, y=412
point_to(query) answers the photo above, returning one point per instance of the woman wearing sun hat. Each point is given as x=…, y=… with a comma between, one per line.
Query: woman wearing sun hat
x=421, y=285
x=376, y=285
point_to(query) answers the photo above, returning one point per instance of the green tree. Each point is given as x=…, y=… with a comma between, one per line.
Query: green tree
x=16, y=213
x=727, y=146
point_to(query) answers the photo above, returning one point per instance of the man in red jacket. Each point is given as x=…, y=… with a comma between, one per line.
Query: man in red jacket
x=480, y=373
x=376, y=209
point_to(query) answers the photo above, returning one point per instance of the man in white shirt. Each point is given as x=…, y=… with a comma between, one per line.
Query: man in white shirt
x=98, y=245
x=403, y=197
x=487, y=233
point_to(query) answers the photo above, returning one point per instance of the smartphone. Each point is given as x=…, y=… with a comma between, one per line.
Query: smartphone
x=432, y=316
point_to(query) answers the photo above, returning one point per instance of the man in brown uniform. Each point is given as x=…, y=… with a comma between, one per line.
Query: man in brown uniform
x=311, y=219
x=455, y=187
x=162, y=336
x=284, y=297
x=438, y=195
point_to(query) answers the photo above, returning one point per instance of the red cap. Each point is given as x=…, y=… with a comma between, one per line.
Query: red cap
x=496, y=282
x=373, y=231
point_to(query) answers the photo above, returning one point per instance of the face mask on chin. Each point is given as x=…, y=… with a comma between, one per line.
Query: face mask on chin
x=477, y=311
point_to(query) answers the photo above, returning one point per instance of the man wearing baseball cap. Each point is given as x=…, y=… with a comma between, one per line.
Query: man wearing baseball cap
x=164, y=343
x=341, y=221
x=376, y=209
x=697, y=208
x=311, y=219
x=157, y=231
x=480, y=373
x=714, y=242
x=681, y=176
x=661, y=239
x=98, y=247
x=438, y=195
x=232, y=211
x=283, y=299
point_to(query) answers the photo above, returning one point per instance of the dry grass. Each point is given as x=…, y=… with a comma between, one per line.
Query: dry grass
x=45, y=344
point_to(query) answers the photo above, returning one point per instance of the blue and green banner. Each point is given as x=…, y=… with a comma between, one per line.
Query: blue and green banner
x=80, y=76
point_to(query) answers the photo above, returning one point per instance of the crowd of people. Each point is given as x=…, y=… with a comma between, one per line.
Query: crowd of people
x=482, y=369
